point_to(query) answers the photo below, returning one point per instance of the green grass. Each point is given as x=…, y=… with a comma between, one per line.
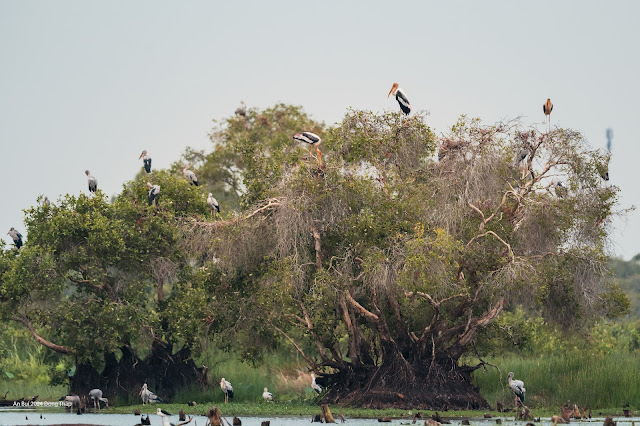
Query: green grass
x=599, y=381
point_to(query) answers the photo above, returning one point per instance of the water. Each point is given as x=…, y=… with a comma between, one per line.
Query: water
x=19, y=417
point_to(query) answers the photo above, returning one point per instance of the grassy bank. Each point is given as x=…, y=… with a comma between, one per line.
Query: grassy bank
x=599, y=381
x=603, y=382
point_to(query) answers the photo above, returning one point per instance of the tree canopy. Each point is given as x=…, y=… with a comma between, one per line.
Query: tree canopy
x=380, y=267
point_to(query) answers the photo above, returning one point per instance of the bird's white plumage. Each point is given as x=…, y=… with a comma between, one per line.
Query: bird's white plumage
x=517, y=386
x=190, y=175
x=267, y=395
x=316, y=387
x=213, y=203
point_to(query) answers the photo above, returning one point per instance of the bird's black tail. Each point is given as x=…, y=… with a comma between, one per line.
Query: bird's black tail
x=230, y=393
x=218, y=209
x=158, y=399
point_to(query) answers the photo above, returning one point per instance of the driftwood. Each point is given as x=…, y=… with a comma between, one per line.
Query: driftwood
x=214, y=416
x=326, y=414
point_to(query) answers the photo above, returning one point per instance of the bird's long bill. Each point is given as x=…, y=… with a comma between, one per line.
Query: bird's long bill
x=141, y=156
x=393, y=89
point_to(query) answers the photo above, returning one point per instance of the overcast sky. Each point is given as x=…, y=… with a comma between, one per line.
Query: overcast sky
x=89, y=84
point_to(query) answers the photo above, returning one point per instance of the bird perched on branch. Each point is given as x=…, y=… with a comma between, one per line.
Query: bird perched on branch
x=146, y=161
x=154, y=191
x=401, y=97
x=15, y=236
x=213, y=203
x=191, y=177
x=93, y=182
x=227, y=389
x=517, y=386
x=547, y=108
x=312, y=140
x=316, y=387
x=242, y=109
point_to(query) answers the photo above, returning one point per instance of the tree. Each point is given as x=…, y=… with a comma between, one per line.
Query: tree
x=92, y=283
x=387, y=263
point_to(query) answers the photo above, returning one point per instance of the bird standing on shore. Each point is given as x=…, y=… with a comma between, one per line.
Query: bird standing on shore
x=517, y=386
x=96, y=397
x=147, y=396
x=227, y=389
x=401, y=97
x=268, y=396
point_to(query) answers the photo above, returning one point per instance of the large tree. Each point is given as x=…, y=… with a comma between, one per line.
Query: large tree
x=104, y=283
x=382, y=266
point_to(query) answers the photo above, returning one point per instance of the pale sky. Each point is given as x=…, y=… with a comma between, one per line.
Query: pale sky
x=90, y=84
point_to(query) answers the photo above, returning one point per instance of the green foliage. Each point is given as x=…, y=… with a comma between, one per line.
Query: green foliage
x=584, y=378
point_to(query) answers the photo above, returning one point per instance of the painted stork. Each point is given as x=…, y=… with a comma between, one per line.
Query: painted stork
x=154, y=191
x=227, y=389
x=312, y=140
x=242, y=109
x=164, y=416
x=93, y=182
x=401, y=97
x=15, y=236
x=147, y=396
x=316, y=387
x=146, y=160
x=268, y=396
x=517, y=386
x=213, y=203
x=95, y=395
x=560, y=190
x=72, y=399
x=547, y=108
x=191, y=177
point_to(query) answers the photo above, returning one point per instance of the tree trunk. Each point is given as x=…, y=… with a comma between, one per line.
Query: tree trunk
x=163, y=372
x=400, y=384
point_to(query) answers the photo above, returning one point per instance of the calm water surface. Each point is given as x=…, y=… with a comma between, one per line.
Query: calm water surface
x=29, y=417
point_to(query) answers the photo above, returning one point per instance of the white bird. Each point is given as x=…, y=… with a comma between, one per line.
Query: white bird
x=95, y=395
x=316, y=387
x=267, y=395
x=164, y=416
x=401, y=97
x=312, y=140
x=242, y=109
x=147, y=396
x=517, y=386
x=213, y=203
x=46, y=202
x=227, y=389
x=16, y=237
x=191, y=177
x=73, y=399
x=146, y=161
x=154, y=191
x=93, y=182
